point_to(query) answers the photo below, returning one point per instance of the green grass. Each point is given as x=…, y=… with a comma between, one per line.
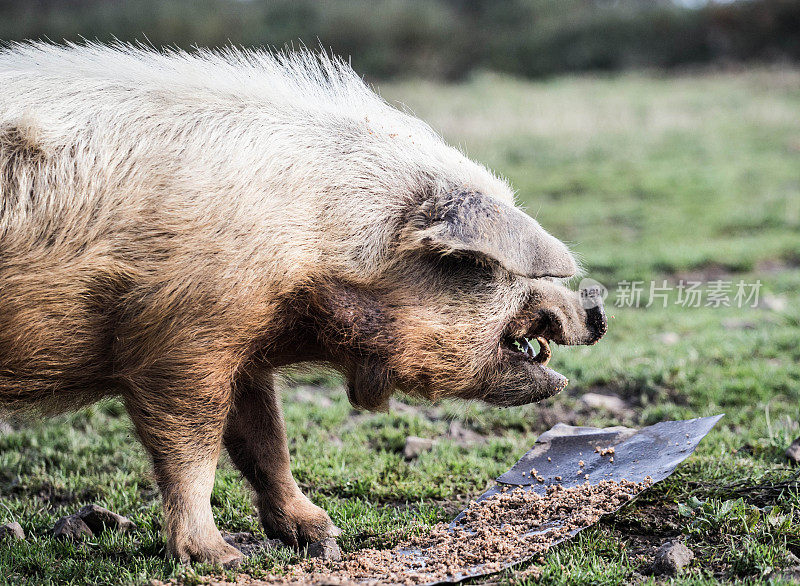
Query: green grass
x=689, y=177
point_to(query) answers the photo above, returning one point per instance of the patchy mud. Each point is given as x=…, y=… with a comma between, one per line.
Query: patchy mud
x=510, y=527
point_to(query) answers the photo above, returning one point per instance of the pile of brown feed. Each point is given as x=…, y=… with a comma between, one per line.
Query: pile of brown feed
x=507, y=528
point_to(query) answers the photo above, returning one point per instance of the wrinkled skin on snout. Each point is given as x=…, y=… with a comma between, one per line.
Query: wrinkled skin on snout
x=471, y=289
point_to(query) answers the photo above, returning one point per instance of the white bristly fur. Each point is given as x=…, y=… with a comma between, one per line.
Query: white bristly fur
x=294, y=141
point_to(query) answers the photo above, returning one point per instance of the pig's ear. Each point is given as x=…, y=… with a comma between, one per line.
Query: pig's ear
x=473, y=223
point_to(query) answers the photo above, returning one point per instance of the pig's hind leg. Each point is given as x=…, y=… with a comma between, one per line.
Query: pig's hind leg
x=255, y=438
x=181, y=425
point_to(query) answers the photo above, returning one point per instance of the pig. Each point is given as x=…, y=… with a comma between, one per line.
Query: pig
x=175, y=226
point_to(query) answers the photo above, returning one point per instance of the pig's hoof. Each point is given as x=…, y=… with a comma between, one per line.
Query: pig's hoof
x=231, y=559
x=220, y=554
x=299, y=524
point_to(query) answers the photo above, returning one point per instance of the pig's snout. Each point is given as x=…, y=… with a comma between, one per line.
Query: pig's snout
x=569, y=318
x=556, y=314
x=596, y=322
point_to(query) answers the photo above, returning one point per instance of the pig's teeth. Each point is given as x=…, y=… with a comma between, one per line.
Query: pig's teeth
x=526, y=347
x=543, y=357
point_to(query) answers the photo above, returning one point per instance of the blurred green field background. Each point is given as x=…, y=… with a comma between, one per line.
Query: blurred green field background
x=649, y=177
x=441, y=39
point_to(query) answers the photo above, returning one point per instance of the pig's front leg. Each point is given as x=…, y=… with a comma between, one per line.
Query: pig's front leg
x=182, y=426
x=255, y=437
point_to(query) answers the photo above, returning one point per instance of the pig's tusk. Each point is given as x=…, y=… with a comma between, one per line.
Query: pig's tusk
x=543, y=357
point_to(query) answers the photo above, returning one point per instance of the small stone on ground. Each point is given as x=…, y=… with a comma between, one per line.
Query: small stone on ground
x=99, y=519
x=415, y=446
x=71, y=527
x=671, y=558
x=327, y=550
x=430, y=412
x=775, y=303
x=734, y=323
x=463, y=436
x=611, y=403
x=668, y=338
x=313, y=396
x=12, y=530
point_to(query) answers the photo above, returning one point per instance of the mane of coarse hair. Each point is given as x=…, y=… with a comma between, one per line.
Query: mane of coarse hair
x=310, y=80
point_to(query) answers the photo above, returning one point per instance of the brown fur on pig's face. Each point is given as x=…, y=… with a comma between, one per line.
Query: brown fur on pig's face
x=441, y=320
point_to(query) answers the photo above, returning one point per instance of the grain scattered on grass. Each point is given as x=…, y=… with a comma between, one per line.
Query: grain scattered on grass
x=507, y=528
